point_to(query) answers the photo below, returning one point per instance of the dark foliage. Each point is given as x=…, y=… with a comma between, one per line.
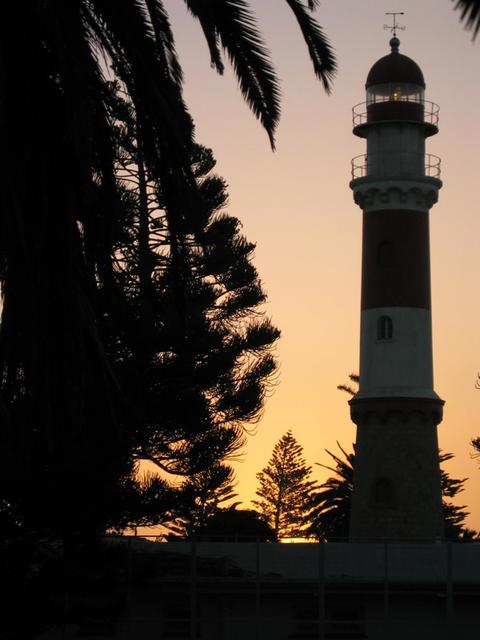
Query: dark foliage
x=234, y=524
x=454, y=515
x=351, y=390
x=199, y=500
x=62, y=407
x=62, y=410
x=143, y=500
x=186, y=334
x=475, y=442
x=330, y=517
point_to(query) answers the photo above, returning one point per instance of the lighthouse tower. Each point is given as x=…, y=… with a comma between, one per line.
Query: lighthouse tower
x=396, y=492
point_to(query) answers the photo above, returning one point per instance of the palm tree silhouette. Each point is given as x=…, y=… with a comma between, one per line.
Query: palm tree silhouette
x=331, y=511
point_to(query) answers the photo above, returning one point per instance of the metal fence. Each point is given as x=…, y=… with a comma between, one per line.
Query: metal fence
x=399, y=165
x=430, y=113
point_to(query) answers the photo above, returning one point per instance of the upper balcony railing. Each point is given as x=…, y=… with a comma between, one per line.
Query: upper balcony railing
x=398, y=165
x=430, y=109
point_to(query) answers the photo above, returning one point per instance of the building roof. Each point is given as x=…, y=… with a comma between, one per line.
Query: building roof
x=395, y=67
x=354, y=563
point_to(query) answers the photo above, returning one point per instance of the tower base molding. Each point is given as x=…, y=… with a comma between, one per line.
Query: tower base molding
x=383, y=408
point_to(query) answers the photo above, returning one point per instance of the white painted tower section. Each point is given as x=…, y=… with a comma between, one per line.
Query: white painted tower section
x=396, y=174
x=401, y=366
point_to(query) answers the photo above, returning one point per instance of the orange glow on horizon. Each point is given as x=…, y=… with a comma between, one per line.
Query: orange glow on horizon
x=297, y=206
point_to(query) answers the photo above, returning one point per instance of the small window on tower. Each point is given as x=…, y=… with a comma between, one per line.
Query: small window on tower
x=385, y=328
x=385, y=254
x=383, y=494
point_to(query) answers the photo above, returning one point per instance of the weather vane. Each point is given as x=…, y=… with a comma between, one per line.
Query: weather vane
x=395, y=26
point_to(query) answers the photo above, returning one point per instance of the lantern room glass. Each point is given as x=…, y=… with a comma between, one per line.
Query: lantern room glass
x=395, y=92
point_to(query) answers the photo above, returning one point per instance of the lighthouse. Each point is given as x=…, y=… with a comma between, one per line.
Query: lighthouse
x=396, y=489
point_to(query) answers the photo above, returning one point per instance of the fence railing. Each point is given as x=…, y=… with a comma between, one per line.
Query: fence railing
x=430, y=113
x=401, y=165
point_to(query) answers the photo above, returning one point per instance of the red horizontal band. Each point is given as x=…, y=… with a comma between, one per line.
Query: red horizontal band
x=396, y=259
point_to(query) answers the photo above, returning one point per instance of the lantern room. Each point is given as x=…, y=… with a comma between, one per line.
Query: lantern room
x=395, y=91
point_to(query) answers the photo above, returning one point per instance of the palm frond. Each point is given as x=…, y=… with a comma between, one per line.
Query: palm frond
x=469, y=14
x=351, y=390
x=202, y=11
x=163, y=34
x=344, y=468
x=233, y=25
x=165, y=127
x=347, y=388
x=475, y=442
x=321, y=53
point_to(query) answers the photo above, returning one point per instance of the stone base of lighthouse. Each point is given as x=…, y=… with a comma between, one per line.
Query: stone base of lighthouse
x=396, y=492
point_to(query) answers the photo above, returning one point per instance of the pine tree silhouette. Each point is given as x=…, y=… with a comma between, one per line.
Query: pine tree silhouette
x=286, y=489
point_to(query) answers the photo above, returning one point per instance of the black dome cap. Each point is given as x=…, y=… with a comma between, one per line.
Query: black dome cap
x=395, y=67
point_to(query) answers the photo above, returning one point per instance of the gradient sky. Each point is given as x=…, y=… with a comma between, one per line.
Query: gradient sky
x=297, y=206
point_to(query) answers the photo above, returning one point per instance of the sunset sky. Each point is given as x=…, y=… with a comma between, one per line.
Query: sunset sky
x=297, y=206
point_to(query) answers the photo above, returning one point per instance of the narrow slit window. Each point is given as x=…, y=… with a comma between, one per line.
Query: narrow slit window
x=385, y=328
